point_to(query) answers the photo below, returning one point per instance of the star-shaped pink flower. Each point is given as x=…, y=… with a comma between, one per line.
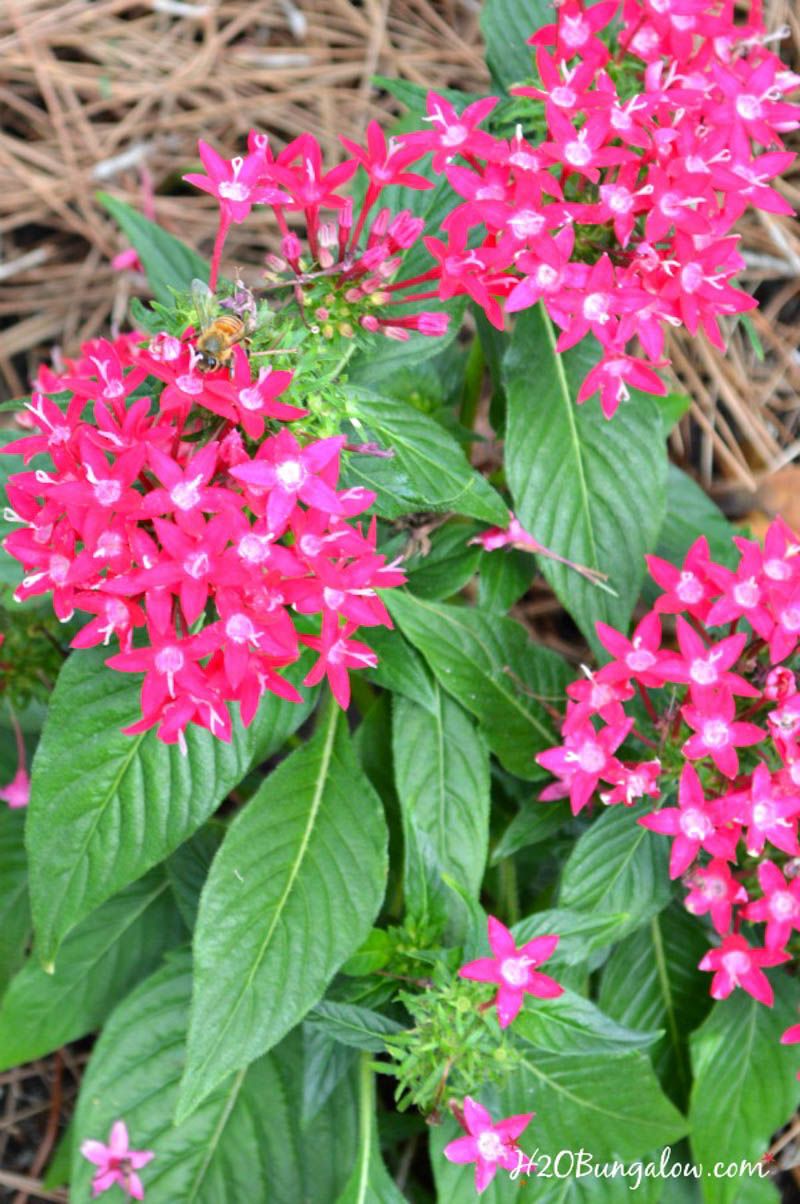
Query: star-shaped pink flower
x=514, y=970
x=487, y=1144
x=116, y=1162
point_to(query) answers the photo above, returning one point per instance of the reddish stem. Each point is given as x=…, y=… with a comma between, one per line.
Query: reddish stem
x=644, y=739
x=647, y=701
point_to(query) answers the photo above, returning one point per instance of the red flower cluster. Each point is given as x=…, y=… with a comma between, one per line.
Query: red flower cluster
x=141, y=524
x=342, y=279
x=619, y=220
x=731, y=693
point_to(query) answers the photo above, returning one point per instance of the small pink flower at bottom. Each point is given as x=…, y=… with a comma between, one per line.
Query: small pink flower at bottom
x=116, y=1162
x=513, y=970
x=488, y=1145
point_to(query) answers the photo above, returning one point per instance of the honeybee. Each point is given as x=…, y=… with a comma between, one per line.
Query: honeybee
x=219, y=332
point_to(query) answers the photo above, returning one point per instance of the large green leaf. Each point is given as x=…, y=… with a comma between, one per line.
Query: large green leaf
x=744, y=1082
x=243, y=1144
x=106, y=807
x=651, y=980
x=581, y=932
x=534, y=822
x=291, y=894
x=438, y=474
x=166, y=260
x=571, y=1025
x=608, y=1106
x=441, y=768
x=691, y=512
x=491, y=667
x=15, y=913
x=101, y=959
x=400, y=667
x=618, y=866
x=590, y=489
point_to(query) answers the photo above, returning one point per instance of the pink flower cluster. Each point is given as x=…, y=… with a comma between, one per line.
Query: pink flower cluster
x=724, y=720
x=620, y=219
x=342, y=278
x=516, y=974
x=155, y=517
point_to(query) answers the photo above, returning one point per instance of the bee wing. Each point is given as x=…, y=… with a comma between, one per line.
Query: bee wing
x=204, y=303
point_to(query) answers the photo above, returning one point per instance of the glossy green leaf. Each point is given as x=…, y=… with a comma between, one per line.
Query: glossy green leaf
x=15, y=912
x=743, y=1075
x=325, y=1063
x=571, y=1025
x=590, y=489
x=400, y=667
x=292, y=893
x=187, y=868
x=491, y=667
x=349, y=1024
x=505, y=574
x=618, y=866
x=444, y=567
x=167, y=261
x=438, y=473
x=535, y=822
x=101, y=959
x=690, y=513
x=580, y=932
x=441, y=767
x=105, y=807
x=651, y=980
x=243, y=1144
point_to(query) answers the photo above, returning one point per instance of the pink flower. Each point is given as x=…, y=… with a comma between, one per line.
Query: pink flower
x=717, y=732
x=714, y=890
x=694, y=823
x=584, y=758
x=780, y=906
x=116, y=1162
x=702, y=665
x=737, y=964
x=18, y=791
x=514, y=970
x=488, y=1145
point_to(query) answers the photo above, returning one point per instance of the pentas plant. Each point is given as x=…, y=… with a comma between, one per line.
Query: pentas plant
x=155, y=521
x=307, y=820
x=727, y=739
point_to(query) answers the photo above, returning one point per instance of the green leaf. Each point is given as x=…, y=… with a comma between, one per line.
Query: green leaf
x=589, y=489
x=105, y=807
x=607, y=1105
x=441, y=768
x=534, y=822
x=167, y=262
x=744, y=1081
x=618, y=866
x=651, y=980
x=400, y=667
x=101, y=959
x=292, y=892
x=243, y=1144
x=187, y=868
x=488, y=664
x=447, y=565
x=438, y=473
x=15, y=913
x=690, y=512
x=350, y=1024
x=506, y=26
x=369, y=1182
x=505, y=574
x=581, y=933
x=325, y=1064
x=571, y=1025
